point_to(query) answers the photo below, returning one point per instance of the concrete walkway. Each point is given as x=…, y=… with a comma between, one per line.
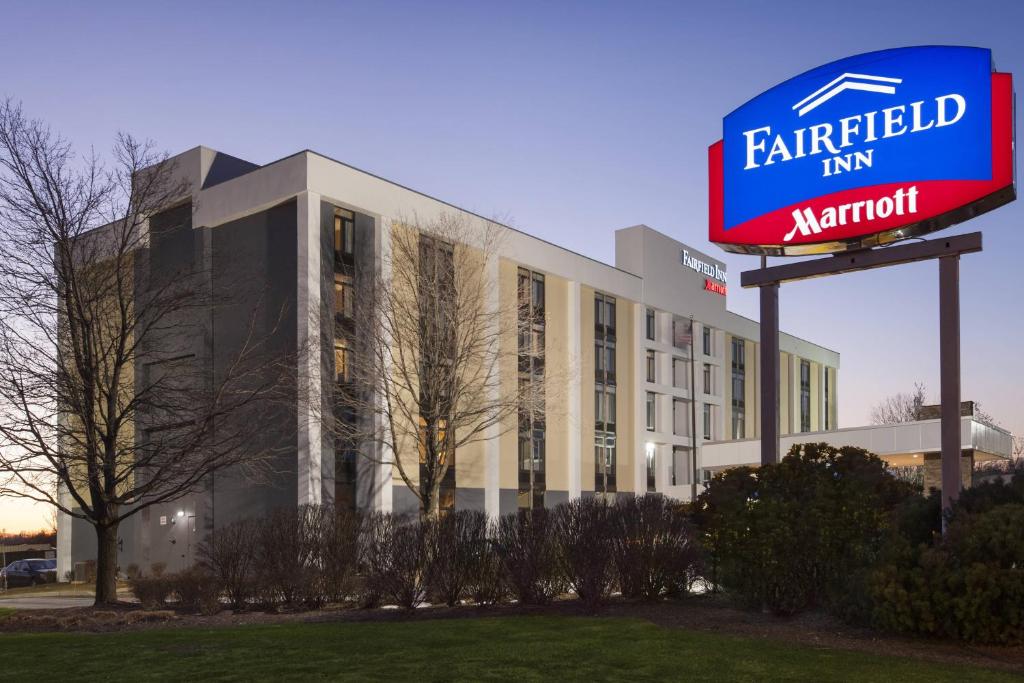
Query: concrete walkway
x=44, y=601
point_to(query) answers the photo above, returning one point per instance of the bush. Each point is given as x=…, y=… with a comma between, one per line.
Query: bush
x=228, y=553
x=335, y=553
x=653, y=547
x=583, y=530
x=279, y=557
x=526, y=545
x=969, y=585
x=458, y=544
x=197, y=590
x=394, y=554
x=151, y=591
x=488, y=585
x=804, y=532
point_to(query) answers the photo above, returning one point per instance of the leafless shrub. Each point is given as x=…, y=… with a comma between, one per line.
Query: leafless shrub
x=582, y=528
x=279, y=557
x=654, y=547
x=329, y=551
x=229, y=553
x=526, y=545
x=394, y=558
x=197, y=590
x=151, y=591
x=489, y=583
x=458, y=545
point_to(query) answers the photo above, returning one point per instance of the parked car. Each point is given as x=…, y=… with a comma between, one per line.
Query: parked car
x=29, y=573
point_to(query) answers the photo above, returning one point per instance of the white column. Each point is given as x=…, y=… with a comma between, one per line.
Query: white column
x=820, y=398
x=492, y=443
x=63, y=535
x=383, y=471
x=574, y=404
x=309, y=346
x=640, y=432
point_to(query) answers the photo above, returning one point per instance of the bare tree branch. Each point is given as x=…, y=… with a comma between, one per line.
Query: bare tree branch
x=105, y=406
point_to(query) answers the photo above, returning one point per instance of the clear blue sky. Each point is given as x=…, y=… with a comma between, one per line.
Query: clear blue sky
x=568, y=119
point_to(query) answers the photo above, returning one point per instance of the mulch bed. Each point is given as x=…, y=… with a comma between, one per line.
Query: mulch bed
x=702, y=613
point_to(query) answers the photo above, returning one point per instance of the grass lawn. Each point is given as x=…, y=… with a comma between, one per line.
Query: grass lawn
x=519, y=648
x=4, y=613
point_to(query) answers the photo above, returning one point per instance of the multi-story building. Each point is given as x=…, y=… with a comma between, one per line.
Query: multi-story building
x=656, y=363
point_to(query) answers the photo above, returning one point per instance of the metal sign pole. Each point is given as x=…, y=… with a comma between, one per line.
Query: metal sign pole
x=947, y=251
x=769, y=373
x=949, y=363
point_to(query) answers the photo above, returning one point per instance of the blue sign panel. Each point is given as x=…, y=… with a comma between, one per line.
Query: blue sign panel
x=908, y=114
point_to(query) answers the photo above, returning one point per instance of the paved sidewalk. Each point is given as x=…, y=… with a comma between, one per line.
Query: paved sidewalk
x=45, y=602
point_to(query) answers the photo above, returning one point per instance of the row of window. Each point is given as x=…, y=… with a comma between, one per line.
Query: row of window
x=345, y=470
x=604, y=393
x=532, y=429
x=682, y=332
x=652, y=415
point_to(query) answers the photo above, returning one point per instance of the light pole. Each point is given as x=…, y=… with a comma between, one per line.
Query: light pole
x=3, y=555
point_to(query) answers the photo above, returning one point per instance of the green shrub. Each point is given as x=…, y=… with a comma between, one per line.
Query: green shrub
x=968, y=586
x=804, y=532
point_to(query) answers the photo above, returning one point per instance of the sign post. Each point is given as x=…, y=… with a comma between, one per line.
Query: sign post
x=850, y=158
x=949, y=389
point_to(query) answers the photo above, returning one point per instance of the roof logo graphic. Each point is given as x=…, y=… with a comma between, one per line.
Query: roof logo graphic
x=847, y=81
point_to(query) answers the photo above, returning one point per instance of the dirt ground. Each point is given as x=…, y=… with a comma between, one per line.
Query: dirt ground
x=703, y=613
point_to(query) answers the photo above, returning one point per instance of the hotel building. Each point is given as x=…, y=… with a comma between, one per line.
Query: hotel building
x=657, y=364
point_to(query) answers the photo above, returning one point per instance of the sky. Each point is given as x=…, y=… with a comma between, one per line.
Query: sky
x=567, y=120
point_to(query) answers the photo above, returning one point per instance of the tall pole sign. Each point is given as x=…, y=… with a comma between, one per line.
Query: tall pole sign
x=856, y=155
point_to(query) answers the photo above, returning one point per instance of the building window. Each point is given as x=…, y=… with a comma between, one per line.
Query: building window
x=604, y=458
x=651, y=454
x=828, y=400
x=344, y=236
x=682, y=333
x=707, y=340
x=651, y=367
x=651, y=332
x=681, y=468
x=344, y=296
x=341, y=361
x=604, y=361
x=652, y=409
x=707, y=422
x=707, y=378
x=604, y=315
x=532, y=427
x=604, y=393
x=739, y=389
x=805, y=396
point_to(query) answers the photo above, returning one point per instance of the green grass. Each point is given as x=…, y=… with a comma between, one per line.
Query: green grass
x=510, y=648
x=4, y=613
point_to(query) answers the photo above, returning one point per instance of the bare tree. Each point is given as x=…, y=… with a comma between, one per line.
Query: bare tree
x=436, y=358
x=104, y=410
x=982, y=415
x=900, y=407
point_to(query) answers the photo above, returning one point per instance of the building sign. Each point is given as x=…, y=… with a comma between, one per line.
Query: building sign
x=703, y=267
x=716, y=287
x=864, y=151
